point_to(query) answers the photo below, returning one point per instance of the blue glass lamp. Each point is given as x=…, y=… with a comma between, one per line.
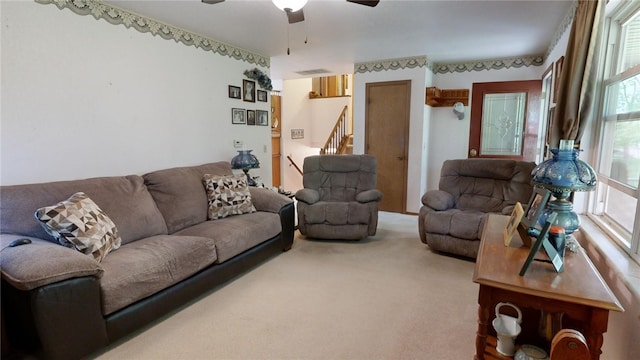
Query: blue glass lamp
x=563, y=174
x=245, y=161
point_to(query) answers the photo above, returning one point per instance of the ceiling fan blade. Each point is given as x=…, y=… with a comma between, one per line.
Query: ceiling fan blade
x=212, y=1
x=371, y=3
x=295, y=16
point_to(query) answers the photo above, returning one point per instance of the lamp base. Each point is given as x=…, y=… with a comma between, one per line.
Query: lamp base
x=566, y=218
x=250, y=180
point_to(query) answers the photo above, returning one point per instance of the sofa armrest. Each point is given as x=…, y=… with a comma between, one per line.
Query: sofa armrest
x=438, y=200
x=369, y=196
x=268, y=200
x=309, y=196
x=43, y=262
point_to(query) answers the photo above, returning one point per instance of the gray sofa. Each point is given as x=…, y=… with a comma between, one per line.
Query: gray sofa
x=62, y=304
x=452, y=217
x=339, y=199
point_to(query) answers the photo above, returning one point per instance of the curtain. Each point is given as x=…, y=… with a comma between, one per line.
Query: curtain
x=575, y=103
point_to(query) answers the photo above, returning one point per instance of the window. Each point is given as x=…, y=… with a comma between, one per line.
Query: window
x=616, y=198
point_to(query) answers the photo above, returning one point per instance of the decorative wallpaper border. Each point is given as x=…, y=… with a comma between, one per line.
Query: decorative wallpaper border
x=566, y=22
x=497, y=64
x=391, y=64
x=118, y=16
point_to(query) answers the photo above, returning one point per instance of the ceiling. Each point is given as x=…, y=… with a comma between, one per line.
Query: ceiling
x=340, y=33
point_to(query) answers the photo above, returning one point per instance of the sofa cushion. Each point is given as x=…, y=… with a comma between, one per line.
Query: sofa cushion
x=236, y=234
x=124, y=198
x=339, y=177
x=79, y=223
x=179, y=193
x=335, y=213
x=227, y=195
x=144, y=267
x=463, y=224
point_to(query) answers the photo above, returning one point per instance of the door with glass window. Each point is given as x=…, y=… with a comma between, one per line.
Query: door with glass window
x=504, y=120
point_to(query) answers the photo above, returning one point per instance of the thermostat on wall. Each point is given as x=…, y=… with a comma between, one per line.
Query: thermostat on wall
x=297, y=133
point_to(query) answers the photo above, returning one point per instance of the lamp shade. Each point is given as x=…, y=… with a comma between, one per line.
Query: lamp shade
x=293, y=5
x=245, y=160
x=564, y=172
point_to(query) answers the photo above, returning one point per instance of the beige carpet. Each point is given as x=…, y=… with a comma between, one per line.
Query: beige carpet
x=387, y=297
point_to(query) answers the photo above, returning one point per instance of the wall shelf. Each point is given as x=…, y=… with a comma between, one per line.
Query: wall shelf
x=446, y=97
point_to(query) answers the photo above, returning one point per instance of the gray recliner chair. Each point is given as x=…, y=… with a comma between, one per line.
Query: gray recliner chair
x=451, y=218
x=339, y=199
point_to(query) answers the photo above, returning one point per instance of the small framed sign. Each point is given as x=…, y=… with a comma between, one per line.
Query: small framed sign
x=297, y=133
x=512, y=224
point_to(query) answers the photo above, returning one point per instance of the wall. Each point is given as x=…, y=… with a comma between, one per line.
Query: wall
x=85, y=98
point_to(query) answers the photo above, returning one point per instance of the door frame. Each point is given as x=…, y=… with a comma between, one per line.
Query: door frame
x=405, y=150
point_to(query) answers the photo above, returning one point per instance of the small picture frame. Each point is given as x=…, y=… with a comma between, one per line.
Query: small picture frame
x=262, y=117
x=238, y=116
x=536, y=206
x=512, y=224
x=234, y=92
x=542, y=241
x=251, y=117
x=249, y=90
x=262, y=95
x=532, y=214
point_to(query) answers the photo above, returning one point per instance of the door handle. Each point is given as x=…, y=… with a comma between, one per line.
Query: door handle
x=473, y=152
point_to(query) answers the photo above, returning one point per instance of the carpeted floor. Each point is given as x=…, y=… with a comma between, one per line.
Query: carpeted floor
x=386, y=297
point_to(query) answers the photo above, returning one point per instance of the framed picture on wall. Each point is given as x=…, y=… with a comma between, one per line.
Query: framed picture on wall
x=251, y=117
x=262, y=118
x=556, y=81
x=262, y=95
x=237, y=116
x=234, y=92
x=249, y=90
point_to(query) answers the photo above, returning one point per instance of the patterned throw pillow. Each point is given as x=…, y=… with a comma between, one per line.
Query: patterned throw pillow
x=79, y=223
x=227, y=195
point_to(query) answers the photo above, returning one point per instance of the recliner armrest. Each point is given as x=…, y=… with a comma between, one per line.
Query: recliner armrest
x=309, y=196
x=438, y=200
x=369, y=196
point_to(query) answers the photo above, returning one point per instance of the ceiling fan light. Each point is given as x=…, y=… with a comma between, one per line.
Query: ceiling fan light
x=294, y=5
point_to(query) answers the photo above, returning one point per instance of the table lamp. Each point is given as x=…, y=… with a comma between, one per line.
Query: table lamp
x=563, y=174
x=245, y=161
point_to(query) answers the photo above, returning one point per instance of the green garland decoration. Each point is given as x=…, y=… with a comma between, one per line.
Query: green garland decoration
x=262, y=79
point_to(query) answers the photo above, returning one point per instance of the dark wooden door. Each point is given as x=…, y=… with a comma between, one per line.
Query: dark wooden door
x=387, y=138
x=505, y=119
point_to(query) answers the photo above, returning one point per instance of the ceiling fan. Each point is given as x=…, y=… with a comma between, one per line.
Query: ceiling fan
x=293, y=8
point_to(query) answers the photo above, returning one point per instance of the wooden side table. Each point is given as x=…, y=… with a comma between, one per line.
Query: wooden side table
x=578, y=296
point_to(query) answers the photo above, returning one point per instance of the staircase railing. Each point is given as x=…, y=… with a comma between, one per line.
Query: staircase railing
x=294, y=165
x=339, y=136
